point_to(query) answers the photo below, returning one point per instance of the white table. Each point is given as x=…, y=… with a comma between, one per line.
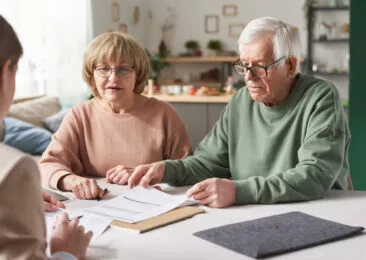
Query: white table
x=176, y=241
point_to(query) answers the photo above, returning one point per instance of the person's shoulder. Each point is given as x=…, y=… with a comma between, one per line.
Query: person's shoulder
x=318, y=87
x=11, y=157
x=242, y=96
x=159, y=104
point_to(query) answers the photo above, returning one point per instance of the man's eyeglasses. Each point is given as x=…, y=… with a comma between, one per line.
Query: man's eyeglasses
x=258, y=71
x=105, y=71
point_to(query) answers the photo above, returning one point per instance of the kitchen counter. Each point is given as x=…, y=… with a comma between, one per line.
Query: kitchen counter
x=223, y=98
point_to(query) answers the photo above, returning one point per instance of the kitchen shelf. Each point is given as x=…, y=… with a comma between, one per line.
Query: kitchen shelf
x=328, y=8
x=338, y=40
x=216, y=59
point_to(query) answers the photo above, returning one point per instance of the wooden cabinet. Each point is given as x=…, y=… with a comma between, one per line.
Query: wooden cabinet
x=198, y=118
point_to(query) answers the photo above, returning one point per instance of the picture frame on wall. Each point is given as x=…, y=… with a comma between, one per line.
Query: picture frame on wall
x=235, y=30
x=115, y=12
x=211, y=24
x=229, y=10
x=123, y=28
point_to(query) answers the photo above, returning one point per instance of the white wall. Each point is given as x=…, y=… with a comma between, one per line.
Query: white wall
x=102, y=20
x=191, y=13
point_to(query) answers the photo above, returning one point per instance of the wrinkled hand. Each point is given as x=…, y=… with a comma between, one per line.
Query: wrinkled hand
x=50, y=202
x=214, y=192
x=69, y=236
x=147, y=174
x=119, y=174
x=83, y=188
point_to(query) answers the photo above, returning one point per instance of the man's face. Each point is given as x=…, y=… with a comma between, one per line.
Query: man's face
x=273, y=88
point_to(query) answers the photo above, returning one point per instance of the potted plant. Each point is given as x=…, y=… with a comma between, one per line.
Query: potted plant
x=214, y=46
x=157, y=63
x=192, y=47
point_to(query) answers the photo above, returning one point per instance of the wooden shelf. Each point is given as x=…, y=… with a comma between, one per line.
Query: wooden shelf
x=216, y=59
x=338, y=40
x=323, y=73
x=328, y=8
x=193, y=83
x=193, y=99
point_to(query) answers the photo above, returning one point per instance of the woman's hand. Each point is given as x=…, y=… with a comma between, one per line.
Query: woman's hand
x=83, y=188
x=119, y=175
x=68, y=236
x=50, y=202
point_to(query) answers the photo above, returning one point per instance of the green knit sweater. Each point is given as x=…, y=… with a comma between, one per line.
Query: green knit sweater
x=290, y=152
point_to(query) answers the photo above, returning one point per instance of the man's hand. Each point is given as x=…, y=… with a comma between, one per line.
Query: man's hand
x=214, y=192
x=68, y=236
x=50, y=202
x=83, y=188
x=119, y=174
x=147, y=174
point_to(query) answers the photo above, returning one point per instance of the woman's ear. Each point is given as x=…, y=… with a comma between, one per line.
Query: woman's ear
x=5, y=76
x=292, y=65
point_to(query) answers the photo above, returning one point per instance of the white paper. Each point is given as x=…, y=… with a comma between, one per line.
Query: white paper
x=91, y=223
x=139, y=204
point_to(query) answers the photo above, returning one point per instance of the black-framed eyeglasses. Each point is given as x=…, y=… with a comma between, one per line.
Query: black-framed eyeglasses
x=258, y=71
x=106, y=71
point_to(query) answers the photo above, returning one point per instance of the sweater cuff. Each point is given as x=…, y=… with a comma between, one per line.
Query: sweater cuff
x=56, y=177
x=62, y=256
x=246, y=192
x=172, y=167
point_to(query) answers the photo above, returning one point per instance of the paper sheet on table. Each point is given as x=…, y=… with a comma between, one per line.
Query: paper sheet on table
x=139, y=204
x=91, y=223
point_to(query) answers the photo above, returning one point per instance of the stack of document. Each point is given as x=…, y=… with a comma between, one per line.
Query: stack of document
x=132, y=206
x=139, y=204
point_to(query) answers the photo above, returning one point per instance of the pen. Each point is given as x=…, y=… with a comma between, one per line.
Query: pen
x=105, y=192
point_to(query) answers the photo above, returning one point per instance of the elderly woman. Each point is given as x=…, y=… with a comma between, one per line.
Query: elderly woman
x=117, y=130
x=282, y=138
x=22, y=223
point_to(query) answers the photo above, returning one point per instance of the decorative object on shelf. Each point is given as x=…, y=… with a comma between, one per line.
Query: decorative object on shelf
x=229, y=10
x=214, y=46
x=325, y=31
x=136, y=15
x=235, y=30
x=163, y=49
x=211, y=75
x=157, y=63
x=115, y=12
x=123, y=28
x=192, y=47
x=166, y=31
x=211, y=24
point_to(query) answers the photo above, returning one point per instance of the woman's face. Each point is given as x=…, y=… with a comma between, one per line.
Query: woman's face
x=114, y=81
x=7, y=87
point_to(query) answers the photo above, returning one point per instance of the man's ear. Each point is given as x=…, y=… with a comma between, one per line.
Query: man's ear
x=5, y=73
x=292, y=65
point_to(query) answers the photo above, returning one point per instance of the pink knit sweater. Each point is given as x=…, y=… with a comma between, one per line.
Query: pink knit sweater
x=92, y=140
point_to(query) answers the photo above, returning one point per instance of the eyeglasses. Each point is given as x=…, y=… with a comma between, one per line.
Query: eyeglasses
x=105, y=71
x=258, y=71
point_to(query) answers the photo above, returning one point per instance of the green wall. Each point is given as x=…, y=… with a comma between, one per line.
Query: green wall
x=357, y=94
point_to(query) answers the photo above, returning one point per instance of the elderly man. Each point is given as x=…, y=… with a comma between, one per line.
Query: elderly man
x=282, y=138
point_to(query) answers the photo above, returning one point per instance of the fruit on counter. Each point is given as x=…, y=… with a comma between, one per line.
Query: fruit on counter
x=192, y=91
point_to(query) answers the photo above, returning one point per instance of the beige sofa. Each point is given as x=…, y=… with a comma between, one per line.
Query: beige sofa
x=33, y=110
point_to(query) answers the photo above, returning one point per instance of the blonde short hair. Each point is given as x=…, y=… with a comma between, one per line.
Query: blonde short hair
x=116, y=47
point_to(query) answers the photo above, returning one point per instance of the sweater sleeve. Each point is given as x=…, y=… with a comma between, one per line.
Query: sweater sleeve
x=23, y=231
x=210, y=158
x=322, y=156
x=62, y=155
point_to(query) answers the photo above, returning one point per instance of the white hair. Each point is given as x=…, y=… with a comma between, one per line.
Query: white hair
x=285, y=39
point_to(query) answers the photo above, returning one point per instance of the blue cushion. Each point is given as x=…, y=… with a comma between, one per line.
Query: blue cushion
x=25, y=137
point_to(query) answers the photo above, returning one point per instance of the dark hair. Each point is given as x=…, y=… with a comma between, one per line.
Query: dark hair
x=10, y=47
